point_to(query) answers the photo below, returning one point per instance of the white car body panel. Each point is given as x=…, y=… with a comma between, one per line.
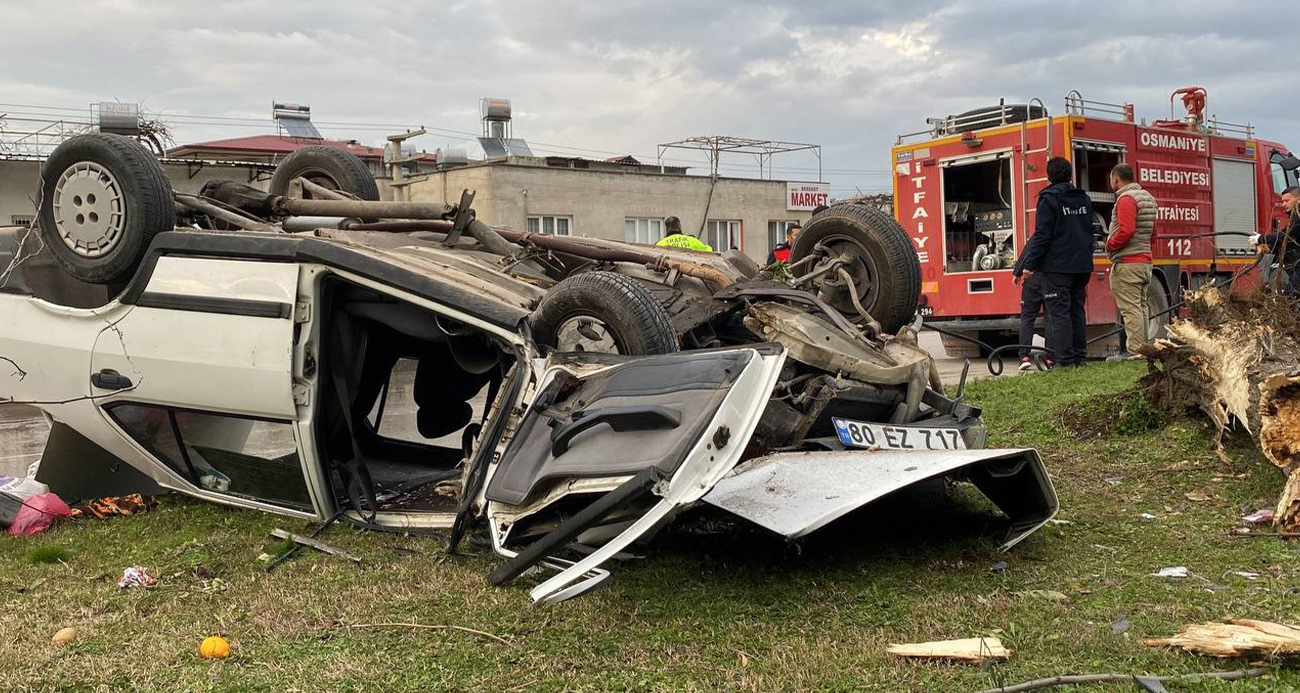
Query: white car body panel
x=702, y=468
x=794, y=494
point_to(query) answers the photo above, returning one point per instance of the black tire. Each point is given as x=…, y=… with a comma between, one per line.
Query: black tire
x=989, y=116
x=106, y=174
x=327, y=166
x=1158, y=302
x=885, y=265
x=634, y=320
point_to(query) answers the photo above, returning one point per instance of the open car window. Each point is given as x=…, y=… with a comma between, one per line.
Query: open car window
x=242, y=457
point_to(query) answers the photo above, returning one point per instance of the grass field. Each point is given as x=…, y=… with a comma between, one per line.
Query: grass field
x=702, y=612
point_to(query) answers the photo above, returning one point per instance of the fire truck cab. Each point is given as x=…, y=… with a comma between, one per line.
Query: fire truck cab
x=966, y=191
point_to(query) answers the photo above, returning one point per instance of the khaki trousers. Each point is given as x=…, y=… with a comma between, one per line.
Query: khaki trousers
x=1128, y=284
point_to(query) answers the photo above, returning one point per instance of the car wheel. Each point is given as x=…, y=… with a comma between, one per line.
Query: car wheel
x=602, y=312
x=103, y=199
x=326, y=166
x=880, y=256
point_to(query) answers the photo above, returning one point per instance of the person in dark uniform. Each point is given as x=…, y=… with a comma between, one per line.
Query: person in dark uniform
x=1031, y=304
x=1061, y=249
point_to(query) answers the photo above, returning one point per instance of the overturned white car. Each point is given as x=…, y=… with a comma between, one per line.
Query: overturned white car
x=304, y=352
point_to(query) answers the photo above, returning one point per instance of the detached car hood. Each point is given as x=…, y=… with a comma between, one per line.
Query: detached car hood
x=794, y=494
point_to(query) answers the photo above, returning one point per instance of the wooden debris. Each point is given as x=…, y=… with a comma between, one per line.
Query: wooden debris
x=974, y=650
x=1236, y=638
x=1237, y=359
x=315, y=544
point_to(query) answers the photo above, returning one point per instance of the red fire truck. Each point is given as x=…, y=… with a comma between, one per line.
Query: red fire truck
x=965, y=190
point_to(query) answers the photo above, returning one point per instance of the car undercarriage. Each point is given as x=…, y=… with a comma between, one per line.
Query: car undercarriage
x=570, y=396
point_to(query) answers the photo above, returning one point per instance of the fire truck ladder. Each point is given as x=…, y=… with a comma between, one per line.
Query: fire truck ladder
x=1024, y=157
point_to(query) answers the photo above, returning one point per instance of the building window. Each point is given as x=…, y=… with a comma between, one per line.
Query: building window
x=776, y=231
x=22, y=220
x=643, y=230
x=551, y=226
x=722, y=234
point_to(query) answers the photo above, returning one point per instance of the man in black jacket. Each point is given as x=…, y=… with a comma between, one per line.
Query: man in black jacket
x=1061, y=249
x=1285, y=243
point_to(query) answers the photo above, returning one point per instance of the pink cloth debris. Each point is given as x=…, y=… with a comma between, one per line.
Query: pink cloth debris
x=37, y=514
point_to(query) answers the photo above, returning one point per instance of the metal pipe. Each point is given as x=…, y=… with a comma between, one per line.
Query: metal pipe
x=653, y=261
x=198, y=204
x=362, y=208
x=478, y=230
x=400, y=226
x=322, y=192
x=313, y=223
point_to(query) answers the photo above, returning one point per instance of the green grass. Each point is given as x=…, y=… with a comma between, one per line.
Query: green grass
x=702, y=612
x=48, y=553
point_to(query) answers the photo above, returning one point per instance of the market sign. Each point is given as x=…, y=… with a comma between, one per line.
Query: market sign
x=804, y=197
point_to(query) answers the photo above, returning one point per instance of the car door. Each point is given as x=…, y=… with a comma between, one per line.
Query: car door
x=198, y=375
x=664, y=427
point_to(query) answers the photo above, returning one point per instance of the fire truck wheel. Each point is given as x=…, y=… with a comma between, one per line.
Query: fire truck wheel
x=1157, y=302
x=329, y=167
x=603, y=312
x=103, y=199
x=880, y=256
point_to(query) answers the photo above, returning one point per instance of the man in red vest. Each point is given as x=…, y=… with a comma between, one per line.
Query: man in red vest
x=781, y=253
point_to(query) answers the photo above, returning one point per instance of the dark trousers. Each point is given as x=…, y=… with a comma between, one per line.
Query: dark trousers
x=1067, y=327
x=1031, y=302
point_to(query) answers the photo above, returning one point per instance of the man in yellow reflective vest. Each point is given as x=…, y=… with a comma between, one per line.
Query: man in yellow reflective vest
x=674, y=238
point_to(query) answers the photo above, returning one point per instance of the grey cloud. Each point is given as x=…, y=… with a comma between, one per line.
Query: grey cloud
x=623, y=76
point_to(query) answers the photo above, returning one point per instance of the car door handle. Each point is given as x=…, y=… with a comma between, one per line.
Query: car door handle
x=109, y=379
x=630, y=418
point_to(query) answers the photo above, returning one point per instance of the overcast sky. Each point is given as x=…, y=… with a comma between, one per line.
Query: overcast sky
x=596, y=78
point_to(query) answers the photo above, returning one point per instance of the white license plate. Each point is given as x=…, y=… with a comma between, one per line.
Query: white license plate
x=860, y=434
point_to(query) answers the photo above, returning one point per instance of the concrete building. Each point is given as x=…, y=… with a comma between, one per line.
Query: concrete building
x=620, y=198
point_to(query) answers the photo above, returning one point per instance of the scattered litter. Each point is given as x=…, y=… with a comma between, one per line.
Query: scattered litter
x=22, y=486
x=1121, y=626
x=974, y=650
x=1259, y=517
x=1059, y=521
x=1049, y=595
x=1147, y=516
x=135, y=576
x=100, y=508
x=1175, y=572
x=214, y=585
x=1246, y=574
x=64, y=636
x=999, y=566
x=1114, y=480
x=214, y=647
x=1196, y=496
x=31, y=515
x=1235, y=638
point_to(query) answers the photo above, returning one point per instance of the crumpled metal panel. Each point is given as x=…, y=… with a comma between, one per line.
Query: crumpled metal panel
x=794, y=494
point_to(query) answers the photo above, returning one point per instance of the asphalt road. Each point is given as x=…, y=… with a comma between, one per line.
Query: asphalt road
x=23, y=430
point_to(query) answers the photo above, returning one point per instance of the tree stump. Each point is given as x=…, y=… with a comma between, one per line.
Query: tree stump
x=1237, y=359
